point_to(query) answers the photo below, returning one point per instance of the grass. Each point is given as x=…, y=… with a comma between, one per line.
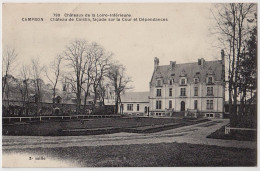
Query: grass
x=149, y=155
x=52, y=127
x=239, y=135
x=109, y=125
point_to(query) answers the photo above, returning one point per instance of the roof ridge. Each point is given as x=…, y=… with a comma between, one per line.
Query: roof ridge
x=189, y=63
x=138, y=92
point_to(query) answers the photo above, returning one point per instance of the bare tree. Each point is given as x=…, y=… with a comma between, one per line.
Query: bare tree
x=23, y=86
x=100, y=64
x=232, y=29
x=103, y=90
x=76, y=56
x=9, y=59
x=119, y=81
x=36, y=72
x=54, y=76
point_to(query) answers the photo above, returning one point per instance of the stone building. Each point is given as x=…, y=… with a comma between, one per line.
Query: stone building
x=134, y=103
x=197, y=87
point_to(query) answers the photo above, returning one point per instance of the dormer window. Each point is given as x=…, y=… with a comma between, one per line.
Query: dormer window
x=171, y=82
x=196, y=80
x=159, y=83
x=183, y=81
x=210, y=80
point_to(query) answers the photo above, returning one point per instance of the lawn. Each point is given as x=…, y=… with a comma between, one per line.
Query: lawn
x=147, y=155
x=239, y=135
x=53, y=128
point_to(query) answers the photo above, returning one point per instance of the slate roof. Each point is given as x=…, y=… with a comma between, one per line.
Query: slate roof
x=135, y=97
x=191, y=70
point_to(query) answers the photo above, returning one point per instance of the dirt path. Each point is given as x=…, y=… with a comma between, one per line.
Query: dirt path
x=193, y=134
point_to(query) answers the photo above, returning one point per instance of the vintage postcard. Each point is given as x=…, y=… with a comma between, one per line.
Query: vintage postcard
x=129, y=84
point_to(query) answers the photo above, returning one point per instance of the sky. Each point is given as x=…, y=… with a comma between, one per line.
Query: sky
x=185, y=37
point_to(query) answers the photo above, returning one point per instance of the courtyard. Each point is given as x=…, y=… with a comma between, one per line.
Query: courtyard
x=183, y=146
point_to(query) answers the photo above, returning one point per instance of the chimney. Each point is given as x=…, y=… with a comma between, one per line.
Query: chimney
x=201, y=62
x=222, y=56
x=156, y=63
x=172, y=64
x=223, y=65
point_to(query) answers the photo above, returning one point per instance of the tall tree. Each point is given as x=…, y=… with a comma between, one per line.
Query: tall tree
x=36, y=72
x=119, y=81
x=248, y=71
x=24, y=86
x=232, y=31
x=54, y=75
x=100, y=60
x=9, y=59
x=76, y=56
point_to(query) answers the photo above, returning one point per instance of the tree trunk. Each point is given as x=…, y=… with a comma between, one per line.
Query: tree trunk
x=85, y=103
x=78, y=104
x=116, y=105
x=53, y=100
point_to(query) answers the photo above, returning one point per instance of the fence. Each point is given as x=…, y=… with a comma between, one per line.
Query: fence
x=228, y=129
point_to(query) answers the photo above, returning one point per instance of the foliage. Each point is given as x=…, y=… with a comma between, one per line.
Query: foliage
x=235, y=29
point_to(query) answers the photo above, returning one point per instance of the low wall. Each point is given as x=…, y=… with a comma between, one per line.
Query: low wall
x=18, y=108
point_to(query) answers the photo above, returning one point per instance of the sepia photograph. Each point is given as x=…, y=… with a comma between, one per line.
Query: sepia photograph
x=129, y=84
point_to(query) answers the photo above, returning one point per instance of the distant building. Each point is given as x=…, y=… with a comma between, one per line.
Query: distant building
x=180, y=88
x=57, y=99
x=134, y=103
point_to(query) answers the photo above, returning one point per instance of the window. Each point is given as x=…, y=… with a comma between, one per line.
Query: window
x=183, y=91
x=196, y=80
x=130, y=107
x=210, y=80
x=195, y=104
x=159, y=82
x=209, y=91
x=170, y=91
x=170, y=82
x=195, y=91
x=183, y=81
x=137, y=107
x=170, y=104
x=158, y=104
x=158, y=92
x=209, y=104
x=211, y=115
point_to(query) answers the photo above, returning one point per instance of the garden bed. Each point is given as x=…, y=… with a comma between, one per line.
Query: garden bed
x=96, y=126
x=240, y=135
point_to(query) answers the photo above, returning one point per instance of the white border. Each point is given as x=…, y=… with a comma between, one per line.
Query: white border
x=135, y=1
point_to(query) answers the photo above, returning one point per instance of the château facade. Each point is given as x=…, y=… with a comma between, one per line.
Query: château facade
x=180, y=88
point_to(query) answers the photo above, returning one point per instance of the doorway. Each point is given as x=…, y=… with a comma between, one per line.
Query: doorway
x=182, y=106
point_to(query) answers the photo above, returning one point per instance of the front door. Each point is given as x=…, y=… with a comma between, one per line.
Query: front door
x=182, y=106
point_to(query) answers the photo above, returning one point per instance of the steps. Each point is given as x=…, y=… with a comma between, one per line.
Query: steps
x=178, y=114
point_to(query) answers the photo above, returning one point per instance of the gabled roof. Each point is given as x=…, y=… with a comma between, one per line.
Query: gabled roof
x=135, y=97
x=190, y=70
